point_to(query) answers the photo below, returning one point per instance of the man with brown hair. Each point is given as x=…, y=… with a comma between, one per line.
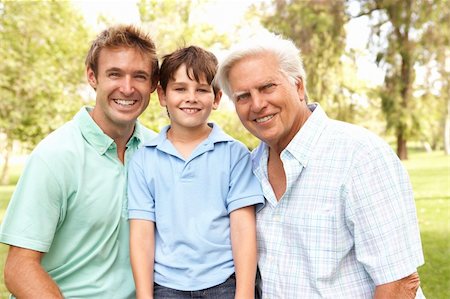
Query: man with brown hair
x=67, y=223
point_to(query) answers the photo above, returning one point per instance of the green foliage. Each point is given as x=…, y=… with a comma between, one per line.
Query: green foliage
x=42, y=45
x=400, y=31
x=173, y=24
x=317, y=28
x=436, y=85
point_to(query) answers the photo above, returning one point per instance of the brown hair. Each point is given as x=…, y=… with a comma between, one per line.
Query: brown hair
x=124, y=36
x=198, y=62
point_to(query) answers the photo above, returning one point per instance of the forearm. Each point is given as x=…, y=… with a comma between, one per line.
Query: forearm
x=25, y=277
x=142, y=256
x=402, y=289
x=243, y=240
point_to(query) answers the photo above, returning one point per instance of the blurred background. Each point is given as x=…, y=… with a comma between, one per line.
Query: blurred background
x=381, y=64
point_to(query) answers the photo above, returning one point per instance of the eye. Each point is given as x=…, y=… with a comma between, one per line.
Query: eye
x=243, y=96
x=269, y=87
x=141, y=77
x=180, y=89
x=114, y=75
x=203, y=90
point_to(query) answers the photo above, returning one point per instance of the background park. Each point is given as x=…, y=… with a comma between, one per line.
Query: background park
x=381, y=64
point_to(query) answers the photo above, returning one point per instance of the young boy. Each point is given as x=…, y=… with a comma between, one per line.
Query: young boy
x=192, y=194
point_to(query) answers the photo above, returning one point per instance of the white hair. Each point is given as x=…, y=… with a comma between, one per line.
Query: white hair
x=287, y=54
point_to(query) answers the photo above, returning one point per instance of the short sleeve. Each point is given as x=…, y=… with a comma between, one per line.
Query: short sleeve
x=382, y=216
x=34, y=211
x=245, y=189
x=141, y=203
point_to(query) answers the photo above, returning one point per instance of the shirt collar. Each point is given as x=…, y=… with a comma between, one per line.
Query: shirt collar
x=304, y=142
x=94, y=135
x=216, y=135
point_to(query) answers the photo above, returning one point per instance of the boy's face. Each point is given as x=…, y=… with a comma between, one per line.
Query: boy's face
x=188, y=102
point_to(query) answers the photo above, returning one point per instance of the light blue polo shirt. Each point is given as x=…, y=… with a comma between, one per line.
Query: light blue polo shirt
x=190, y=202
x=70, y=203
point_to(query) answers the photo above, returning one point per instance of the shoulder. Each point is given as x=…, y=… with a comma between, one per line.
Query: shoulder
x=355, y=140
x=145, y=134
x=218, y=136
x=63, y=141
x=148, y=151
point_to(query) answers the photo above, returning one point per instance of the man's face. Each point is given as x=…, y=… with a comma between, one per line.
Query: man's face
x=123, y=87
x=267, y=104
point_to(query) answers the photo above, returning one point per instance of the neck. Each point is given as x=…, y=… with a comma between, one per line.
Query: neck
x=185, y=140
x=188, y=135
x=120, y=134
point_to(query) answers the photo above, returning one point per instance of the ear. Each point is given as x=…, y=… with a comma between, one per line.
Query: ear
x=154, y=85
x=217, y=99
x=92, y=80
x=161, y=96
x=300, y=89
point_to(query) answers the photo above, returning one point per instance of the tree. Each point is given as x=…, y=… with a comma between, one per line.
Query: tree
x=436, y=86
x=317, y=28
x=399, y=29
x=174, y=24
x=42, y=45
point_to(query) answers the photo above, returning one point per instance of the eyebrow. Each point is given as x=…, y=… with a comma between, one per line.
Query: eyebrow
x=138, y=72
x=258, y=87
x=184, y=83
x=113, y=69
x=239, y=93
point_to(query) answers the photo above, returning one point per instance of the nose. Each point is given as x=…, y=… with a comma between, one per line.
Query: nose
x=126, y=86
x=258, y=102
x=191, y=96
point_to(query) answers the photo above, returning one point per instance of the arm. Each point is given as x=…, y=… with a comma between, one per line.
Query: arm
x=402, y=289
x=381, y=212
x=243, y=242
x=142, y=255
x=25, y=277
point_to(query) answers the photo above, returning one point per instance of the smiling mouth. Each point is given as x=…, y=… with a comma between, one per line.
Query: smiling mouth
x=123, y=102
x=190, y=110
x=264, y=119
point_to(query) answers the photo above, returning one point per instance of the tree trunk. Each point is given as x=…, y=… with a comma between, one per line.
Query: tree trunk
x=447, y=130
x=4, y=175
x=402, y=151
x=428, y=147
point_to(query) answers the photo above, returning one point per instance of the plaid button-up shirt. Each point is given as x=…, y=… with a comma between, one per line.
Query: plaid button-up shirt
x=347, y=221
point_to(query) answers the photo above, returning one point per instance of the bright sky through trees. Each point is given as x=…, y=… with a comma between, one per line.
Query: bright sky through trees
x=225, y=15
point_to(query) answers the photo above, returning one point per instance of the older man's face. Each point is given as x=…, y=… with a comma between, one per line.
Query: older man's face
x=267, y=104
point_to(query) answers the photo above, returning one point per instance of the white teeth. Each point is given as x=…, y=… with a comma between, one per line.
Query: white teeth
x=190, y=110
x=263, y=119
x=125, y=102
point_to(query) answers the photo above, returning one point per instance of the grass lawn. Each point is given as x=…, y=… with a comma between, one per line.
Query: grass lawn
x=430, y=176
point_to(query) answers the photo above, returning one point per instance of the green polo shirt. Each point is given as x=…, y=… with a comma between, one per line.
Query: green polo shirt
x=70, y=203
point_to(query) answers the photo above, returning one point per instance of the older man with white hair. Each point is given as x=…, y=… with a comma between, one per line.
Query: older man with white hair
x=340, y=218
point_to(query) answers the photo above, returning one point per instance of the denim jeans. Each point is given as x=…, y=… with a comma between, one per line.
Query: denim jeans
x=224, y=290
